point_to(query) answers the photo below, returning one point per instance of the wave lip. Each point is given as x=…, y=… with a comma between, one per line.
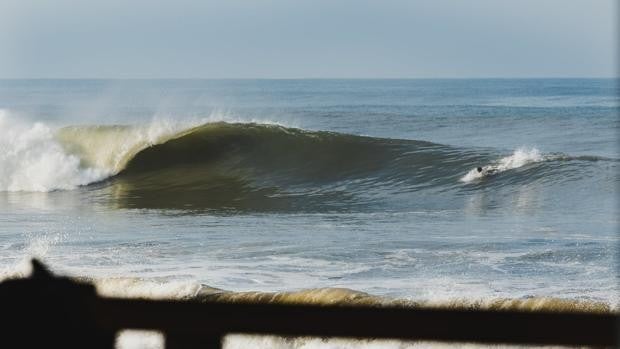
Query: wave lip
x=112, y=147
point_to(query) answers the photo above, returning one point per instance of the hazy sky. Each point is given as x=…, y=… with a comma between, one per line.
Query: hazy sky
x=308, y=38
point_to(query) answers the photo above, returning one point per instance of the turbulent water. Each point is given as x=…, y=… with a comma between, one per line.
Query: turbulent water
x=453, y=193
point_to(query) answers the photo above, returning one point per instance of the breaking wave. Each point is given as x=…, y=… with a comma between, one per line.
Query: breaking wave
x=31, y=159
x=139, y=288
x=219, y=165
x=165, y=154
x=187, y=290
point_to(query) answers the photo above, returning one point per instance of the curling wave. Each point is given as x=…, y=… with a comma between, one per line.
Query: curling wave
x=252, y=166
x=258, y=166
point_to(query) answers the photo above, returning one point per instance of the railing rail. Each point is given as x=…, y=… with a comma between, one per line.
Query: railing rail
x=42, y=310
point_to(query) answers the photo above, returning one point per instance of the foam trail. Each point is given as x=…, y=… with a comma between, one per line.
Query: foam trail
x=519, y=158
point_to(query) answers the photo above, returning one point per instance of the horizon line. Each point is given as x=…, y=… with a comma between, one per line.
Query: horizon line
x=315, y=78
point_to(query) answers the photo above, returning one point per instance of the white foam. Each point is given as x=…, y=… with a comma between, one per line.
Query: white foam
x=136, y=339
x=155, y=340
x=32, y=160
x=125, y=287
x=519, y=158
x=259, y=342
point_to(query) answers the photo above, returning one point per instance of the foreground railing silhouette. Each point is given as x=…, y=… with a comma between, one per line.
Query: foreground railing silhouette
x=55, y=312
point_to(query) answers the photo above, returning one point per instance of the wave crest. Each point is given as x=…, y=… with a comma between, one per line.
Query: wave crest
x=218, y=164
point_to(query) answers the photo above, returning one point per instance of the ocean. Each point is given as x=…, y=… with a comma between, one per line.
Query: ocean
x=321, y=191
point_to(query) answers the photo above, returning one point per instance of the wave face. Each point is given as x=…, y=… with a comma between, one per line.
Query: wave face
x=259, y=167
x=270, y=167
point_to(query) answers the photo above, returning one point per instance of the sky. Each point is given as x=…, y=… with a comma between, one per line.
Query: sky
x=308, y=38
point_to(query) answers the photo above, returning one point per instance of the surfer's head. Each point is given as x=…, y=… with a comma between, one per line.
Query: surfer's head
x=479, y=169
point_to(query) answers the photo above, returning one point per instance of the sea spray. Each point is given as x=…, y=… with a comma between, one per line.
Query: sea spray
x=110, y=147
x=519, y=158
x=37, y=158
x=34, y=246
x=32, y=160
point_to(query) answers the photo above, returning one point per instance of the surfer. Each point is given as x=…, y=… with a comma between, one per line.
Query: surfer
x=486, y=171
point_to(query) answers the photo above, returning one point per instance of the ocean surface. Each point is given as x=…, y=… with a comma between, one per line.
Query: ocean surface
x=325, y=191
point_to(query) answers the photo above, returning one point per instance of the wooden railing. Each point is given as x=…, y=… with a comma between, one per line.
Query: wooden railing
x=55, y=312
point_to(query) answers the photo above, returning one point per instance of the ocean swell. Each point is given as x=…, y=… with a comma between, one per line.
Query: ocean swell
x=270, y=167
x=250, y=166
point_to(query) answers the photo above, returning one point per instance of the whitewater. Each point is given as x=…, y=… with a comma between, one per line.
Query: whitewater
x=325, y=192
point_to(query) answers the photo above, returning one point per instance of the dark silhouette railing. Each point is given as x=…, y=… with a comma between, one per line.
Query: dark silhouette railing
x=56, y=312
